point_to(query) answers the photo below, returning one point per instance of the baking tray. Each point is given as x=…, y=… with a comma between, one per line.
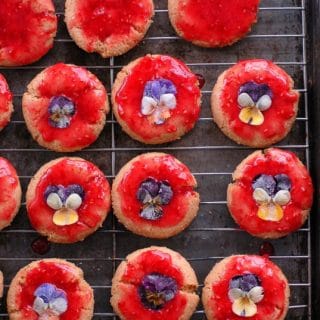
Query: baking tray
x=280, y=35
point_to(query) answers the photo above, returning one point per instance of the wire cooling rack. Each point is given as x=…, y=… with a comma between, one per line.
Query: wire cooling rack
x=280, y=35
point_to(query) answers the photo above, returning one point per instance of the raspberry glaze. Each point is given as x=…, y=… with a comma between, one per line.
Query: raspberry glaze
x=62, y=276
x=95, y=205
x=9, y=183
x=128, y=97
x=27, y=29
x=274, y=288
x=86, y=92
x=272, y=162
x=112, y=20
x=5, y=102
x=284, y=100
x=151, y=261
x=215, y=23
x=164, y=168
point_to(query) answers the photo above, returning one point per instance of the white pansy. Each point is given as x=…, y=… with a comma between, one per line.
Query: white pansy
x=39, y=306
x=256, y=294
x=235, y=294
x=58, y=306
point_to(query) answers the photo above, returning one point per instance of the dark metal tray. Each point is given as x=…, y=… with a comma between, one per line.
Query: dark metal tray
x=280, y=35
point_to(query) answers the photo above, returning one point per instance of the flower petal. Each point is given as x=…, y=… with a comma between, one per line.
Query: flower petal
x=252, y=116
x=59, y=306
x=151, y=212
x=65, y=217
x=264, y=103
x=270, y=212
x=74, y=201
x=39, y=306
x=148, y=105
x=244, y=307
x=244, y=100
x=256, y=294
x=235, y=294
x=261, y=196
x=282, y=197
x=168, y=100
x=54, y=201
x=161, y=115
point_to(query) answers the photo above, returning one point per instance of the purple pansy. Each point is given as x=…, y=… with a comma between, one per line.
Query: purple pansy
x=156, y=289
x=159, y=97
x=61, y=109
x=153, y=194
x=253, y=99
x=245, y=291
x=50, y=300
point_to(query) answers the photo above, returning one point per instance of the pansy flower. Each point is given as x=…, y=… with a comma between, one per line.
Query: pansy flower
x=153, y=195
x=271, y=194
x=61, y=109
x=156, y=289
x=245, y=291
x=159, y=97
x=49, y=301
x=65, y=201
x=253, y=99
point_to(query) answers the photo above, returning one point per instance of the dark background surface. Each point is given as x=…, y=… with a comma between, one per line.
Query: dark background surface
x=279, y=36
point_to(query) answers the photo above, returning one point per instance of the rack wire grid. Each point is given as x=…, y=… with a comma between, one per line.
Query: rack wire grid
x=279, y=35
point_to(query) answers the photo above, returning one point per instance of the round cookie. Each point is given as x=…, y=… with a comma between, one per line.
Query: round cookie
x=10, y=193
x=156, y=99
x=108, y=27
x=50, y=289
x=6, y=106
x=65, y=108
x=68, y=199
x=154, y=195
x=27, y=30
x=246, y=286
x=271, y=193
x=154, y=283
x=254, y=103
x=212, y=23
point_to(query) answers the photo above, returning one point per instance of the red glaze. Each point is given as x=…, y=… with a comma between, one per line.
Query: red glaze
x=5, y=101
x=88, y=95
x=163, y=168
x=274, y=161
x=9, y=183
x=93, y=209
x=151, y=261
x=215, y=22
x=112, y=20
x=128, y=97
x=270, y=275
x=283, y=102
x=26, y=30
x=63, y=277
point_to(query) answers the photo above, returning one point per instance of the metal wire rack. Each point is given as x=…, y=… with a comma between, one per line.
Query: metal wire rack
x=280, y=35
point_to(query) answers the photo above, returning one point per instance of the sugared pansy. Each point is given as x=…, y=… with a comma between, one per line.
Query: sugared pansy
x=245, y=291
x=156, y=289
x=65, y=201
x=153, y=194
x=271, y=193
x=253, y=99
x=50, y=301
x=61, y=109
x=159, y=97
